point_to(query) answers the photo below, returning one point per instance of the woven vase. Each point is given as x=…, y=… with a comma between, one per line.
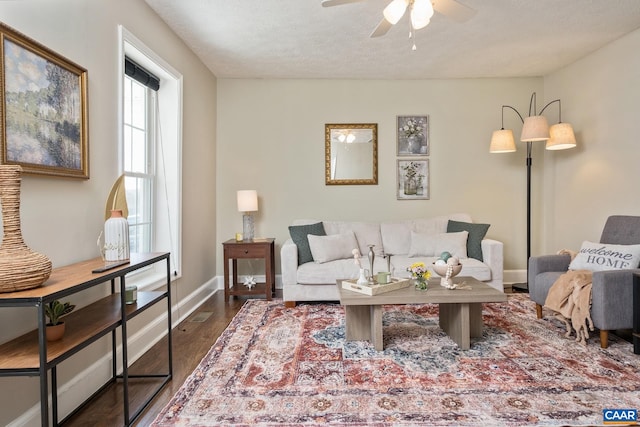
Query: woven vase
x=20, y=267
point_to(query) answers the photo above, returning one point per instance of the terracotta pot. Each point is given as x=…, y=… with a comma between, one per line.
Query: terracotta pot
x=55, y=332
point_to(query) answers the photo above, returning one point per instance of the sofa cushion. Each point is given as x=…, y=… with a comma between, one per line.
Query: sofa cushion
x=429, y=245
x=299, y=235
x=470, y=267
x=329, y=272
x=367, y=233
x=476, y=234
x=601, y=256
x=332, y=247
x=396, y=237
x=437, y=224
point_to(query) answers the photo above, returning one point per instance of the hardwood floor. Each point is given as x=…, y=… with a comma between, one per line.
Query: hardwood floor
x=191, y=341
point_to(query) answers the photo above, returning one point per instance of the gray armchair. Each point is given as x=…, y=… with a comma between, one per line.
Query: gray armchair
x=612, y=291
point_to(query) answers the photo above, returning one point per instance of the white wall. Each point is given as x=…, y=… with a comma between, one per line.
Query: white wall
x=62, y=218
x=601, y=98
x=271, y=139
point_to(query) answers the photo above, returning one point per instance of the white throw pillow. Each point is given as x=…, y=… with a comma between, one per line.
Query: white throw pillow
x=602, y=256
x=332, y=247
x=396, y=237
x=434, y=244
x=367, y=233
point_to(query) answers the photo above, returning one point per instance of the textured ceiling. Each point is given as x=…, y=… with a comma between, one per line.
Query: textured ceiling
x=302, y=39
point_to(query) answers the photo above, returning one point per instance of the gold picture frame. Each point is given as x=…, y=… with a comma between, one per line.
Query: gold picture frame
x=351, y=154
x=43, y=109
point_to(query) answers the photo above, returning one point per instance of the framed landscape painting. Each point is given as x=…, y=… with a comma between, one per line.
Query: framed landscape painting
x=43, y=103
x=413, y=179
x=413, y=135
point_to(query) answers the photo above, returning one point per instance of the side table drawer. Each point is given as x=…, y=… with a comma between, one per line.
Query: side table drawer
x=246, y=251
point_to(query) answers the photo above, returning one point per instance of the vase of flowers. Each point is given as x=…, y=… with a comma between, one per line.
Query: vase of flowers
x=420, y=275
x=413, y=131
x=411, y=178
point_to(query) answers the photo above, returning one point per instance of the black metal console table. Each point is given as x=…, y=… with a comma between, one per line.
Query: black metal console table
x=32, y=355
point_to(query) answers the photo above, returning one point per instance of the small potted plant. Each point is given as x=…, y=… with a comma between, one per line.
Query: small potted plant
x=54, y=311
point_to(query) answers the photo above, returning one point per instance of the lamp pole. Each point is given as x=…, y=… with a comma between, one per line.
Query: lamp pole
x=535, y=128
x=524, y=287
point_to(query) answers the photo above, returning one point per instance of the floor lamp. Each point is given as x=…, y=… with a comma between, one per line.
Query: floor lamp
x=534, y=128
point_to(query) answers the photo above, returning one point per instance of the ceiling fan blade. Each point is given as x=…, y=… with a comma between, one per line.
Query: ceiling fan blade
x=382, y=28
x=453, y=10
x=330, y=3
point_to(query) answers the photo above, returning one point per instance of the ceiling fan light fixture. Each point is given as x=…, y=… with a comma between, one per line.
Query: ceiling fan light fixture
x=418, y=22
x=421, y=13
x=394, y=11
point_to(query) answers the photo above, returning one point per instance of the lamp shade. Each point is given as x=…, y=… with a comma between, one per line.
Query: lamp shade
x=561, y=137
x=535, y=128
x=502, y=141
x=394, y=11
x=247, y=200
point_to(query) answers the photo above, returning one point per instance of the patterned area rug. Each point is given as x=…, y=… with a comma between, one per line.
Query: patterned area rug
x=292, y=367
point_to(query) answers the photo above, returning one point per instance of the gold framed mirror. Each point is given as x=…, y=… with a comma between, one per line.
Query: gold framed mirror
x=351, y=154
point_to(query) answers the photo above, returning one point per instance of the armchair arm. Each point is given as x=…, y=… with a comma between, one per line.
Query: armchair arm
x=493, y=256
x=612, y=299
x=545, y=263
x=289, y=263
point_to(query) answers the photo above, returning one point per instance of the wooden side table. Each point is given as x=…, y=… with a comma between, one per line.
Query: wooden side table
x=249, y=249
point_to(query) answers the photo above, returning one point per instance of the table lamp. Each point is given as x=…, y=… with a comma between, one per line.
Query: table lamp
x=247, y=203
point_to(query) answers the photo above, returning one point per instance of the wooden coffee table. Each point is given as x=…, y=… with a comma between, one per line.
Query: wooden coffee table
x=460, y=309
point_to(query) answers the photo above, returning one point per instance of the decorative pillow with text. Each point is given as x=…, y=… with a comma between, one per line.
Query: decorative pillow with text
x=603, y=256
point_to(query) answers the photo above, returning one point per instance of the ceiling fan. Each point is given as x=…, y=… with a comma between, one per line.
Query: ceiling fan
x=421, y=12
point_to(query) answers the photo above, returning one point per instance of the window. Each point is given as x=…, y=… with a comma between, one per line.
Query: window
x=139, y=164
x=150, y=155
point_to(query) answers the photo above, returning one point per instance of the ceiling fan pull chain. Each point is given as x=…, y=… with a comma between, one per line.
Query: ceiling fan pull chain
x=412, y=35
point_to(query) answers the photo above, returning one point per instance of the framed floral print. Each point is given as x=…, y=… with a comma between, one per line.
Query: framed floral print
x=413, y=135
x=413, y=179
x=43, y=106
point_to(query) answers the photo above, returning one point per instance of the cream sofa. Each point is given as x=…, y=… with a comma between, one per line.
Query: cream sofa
x=405, y=242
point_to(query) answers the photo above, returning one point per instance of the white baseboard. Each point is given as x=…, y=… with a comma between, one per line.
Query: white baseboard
x=73, y=392
x=514, y=276
x=257, y=278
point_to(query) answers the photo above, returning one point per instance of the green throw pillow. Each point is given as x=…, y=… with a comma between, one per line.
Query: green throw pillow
x=476, y=234
x=299, y=236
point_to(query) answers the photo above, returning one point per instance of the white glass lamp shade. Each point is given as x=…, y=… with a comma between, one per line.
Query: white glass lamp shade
x=561, y=137
x=421, y=13
x=394, y=11
x=502, y=141
x=116, y=237
x=247, y=200
x=535, y=128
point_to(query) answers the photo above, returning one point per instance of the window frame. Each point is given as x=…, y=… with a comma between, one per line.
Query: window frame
x=167, y=200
